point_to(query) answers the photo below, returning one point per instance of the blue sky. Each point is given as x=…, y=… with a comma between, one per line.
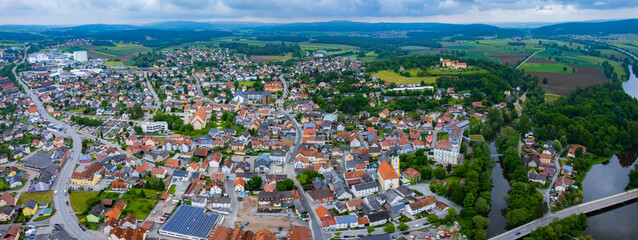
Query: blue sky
x=76, y=12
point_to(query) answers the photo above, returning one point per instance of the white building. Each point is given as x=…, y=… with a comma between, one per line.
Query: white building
x=365, y=189
x=151, y=127
x=80, y=56
x=446, y=153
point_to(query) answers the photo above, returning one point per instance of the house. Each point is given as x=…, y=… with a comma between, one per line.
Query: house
x=275, y=200
x=215, y=187
x=423, y=204
x=411, y=175
x=221, y=203
x=30, y=208
x=173, y=163
x=378, y=218
x=240, y=185
x=535, y=177
x=159, y=172
x=321, y=196
x=227, y=166
x=115, y=212
x=215, y=160
x=90, y=176
x=348, y=221
x=278, y=156
x=13, y=233
x=365, y=189
x=7, y=213
x=262, y=164
x=546, y=158
x=95, y=213
x=180, y=176
x=299, y=233
x=7, y=199
x=119, y=185
x=156, y=155
x=563, y=184
x=567, y=170
x=573, y=148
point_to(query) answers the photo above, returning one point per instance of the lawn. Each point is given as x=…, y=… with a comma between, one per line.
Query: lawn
x=452, y=179
x=122, y=49
x=113, y=63
x=247, y=84
x=39, y=197
x=546, y=67
x=172, y=189
x=391, y=76
x=442, y=136
x=80, y=200
x=551, y=97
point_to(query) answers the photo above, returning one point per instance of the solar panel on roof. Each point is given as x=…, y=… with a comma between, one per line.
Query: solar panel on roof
x=192, y=221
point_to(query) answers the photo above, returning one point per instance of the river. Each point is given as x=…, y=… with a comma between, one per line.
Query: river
x=501, y=187
x=631, y=85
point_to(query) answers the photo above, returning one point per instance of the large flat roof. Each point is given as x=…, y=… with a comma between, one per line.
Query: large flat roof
x=191, y=221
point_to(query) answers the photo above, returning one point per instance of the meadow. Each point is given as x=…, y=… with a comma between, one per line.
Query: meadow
x=391, y=76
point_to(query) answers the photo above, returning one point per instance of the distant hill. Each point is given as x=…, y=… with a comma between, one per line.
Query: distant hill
x=589, y=28
x=349, y=26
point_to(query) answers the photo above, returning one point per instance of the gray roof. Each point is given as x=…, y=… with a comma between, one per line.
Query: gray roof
x=38, y=160
x=190, y=221
x=378, y=216
x=364, y=186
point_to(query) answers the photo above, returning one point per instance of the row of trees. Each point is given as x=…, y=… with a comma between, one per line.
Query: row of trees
x=524, y=203
x=87, y=121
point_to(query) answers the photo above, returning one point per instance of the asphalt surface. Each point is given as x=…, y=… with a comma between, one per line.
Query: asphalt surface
x=587, y=207
x=315, y=224
x=64, y=215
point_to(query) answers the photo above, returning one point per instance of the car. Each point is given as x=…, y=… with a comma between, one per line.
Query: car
x=246, y=223
x=360, y=235
x=418, y=225
x=279, y=229
x=241, y=227
x=346, y=236
x=518, y=233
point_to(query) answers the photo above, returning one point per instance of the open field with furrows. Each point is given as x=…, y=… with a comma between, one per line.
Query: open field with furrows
x=492, y=50
x=121, y=52
x=390, y=76
x=269, y=58
x=578, y=59
x=510, y=59
x=545, y=67
x=564, y=83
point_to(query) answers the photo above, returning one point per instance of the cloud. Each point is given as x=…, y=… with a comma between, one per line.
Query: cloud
x=74, y=12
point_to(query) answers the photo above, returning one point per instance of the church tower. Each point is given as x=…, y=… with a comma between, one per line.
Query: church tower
x=395, y=164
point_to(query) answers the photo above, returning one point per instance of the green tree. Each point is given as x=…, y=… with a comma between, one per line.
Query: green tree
x=402, y=227
x=370, y=229
x=480, y=234
x=389, y=228
x=517, y=217
x=439, y=173
x=480, y=222
x=469, y=200
x=481, y=206
x=557, y=145
x=254, y=183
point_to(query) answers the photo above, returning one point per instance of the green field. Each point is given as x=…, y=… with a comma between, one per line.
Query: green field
x=546, y=67
x=247, y=83
x=10, y=44
x=551, y=97
x=39, y=197
x=391, y=76
x=113, y=63
x=122, y=49
x=80, y=199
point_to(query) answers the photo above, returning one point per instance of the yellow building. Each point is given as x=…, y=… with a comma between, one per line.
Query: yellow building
x=90, y=176
x=30, y=208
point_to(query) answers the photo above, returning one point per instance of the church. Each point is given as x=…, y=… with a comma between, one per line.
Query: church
x=389, y=174
x=198, y=120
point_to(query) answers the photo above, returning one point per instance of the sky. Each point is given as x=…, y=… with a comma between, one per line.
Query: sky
x=78, y=12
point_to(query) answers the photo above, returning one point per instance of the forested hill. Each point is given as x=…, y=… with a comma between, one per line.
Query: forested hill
x=589, y=28
x=601, y=117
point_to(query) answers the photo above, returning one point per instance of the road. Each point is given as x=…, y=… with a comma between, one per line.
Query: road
x=315, y=226
x=230, y=189
x=199, y=89
x=557, y=165
x=587, y=207
x=157, y=100
x=64, y=214
x=530, y=56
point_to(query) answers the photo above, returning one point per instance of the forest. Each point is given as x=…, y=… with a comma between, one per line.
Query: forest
x=268, y=49
x=570, y=227
x=601, y=117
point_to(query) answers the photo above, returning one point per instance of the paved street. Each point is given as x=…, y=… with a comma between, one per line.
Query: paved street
x=64, y=214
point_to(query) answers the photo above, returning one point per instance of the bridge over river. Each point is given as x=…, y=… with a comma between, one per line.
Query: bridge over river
x=587, y=207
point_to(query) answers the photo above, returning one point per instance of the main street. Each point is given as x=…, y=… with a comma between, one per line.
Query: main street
x=315, y=224
x=64, y=215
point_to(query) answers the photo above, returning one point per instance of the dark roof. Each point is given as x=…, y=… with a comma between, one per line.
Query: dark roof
x=191, y=221
x=378, y=216
x=320, y=194
x=38, y=160
x=96, y=210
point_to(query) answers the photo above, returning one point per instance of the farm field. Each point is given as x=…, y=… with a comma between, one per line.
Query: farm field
x=391, y=76
x=269, y=58
x=113, y=63
x=121, y=52
x=564, y=83
x=546, y=67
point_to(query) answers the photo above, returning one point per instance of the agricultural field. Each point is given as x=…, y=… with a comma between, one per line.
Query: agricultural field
x=270, y=58
x=391, y=76
x=10, y=44
x=114, y=63
x=564, y=83
x=546, y=67
x=497, y=50
x=122, y=52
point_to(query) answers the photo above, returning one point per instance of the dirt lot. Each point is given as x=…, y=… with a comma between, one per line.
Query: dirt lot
x=564, y=83
x=507, y=59
x=248, y=213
